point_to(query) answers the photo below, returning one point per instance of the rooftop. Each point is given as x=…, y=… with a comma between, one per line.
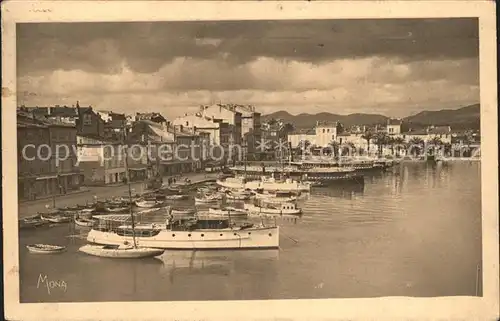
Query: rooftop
x=321, y=123
x=394, y=122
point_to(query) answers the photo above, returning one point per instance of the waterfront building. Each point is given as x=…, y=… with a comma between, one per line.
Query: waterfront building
x=168, y=147
x=48, y=173
x=275, y=136
x=251, y=128
x=301, y=136
x=101, y=161
x=322, y=135
x=225, y=114
x=394, y=126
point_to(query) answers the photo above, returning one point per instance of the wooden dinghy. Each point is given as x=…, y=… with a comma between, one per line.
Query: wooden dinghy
x=55, y=218
x=176, y=197
x=45, y=248
x=120, y=251
x=84, y=222
x=181, y=212
x=115, y=209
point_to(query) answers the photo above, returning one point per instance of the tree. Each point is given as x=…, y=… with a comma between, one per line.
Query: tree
x=434, y=144
x=368, y=136
x=288, y=128
x=381, y=139
x=398, y=141
x=415, y=145
x=335, y=148
x=303, y=146
x=350, y=147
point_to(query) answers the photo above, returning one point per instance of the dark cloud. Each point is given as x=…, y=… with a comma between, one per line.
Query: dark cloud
x=146, y=46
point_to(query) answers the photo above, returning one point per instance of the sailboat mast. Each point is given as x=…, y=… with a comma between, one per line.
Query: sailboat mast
x=129, y=187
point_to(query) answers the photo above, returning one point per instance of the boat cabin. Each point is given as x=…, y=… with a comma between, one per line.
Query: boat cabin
x=199, y=224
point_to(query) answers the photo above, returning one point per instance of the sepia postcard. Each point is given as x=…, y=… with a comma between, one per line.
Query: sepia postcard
x=232, y=160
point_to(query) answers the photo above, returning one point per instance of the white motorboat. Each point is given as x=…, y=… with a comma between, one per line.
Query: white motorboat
x=228, y=211
x=45, y=248
x=278, y=197
x=84, y=222
x=55, y=218
x=147, y=203
x=196, y=234
x=274, y=208
x=122, y=251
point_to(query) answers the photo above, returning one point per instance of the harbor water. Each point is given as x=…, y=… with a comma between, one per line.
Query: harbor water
x=412, y=231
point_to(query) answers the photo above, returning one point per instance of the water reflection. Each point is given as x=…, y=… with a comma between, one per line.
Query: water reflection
x=413, y=231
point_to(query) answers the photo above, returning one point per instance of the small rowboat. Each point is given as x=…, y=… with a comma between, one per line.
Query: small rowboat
x=84, y=222
x=175, y=197
x=31, y=222
x=237, y=196
x=207, y=199
x=115, y=209
x=146, y=204
x=56, y=218
x=189, y=211
x=45, y=248
x=120, y=251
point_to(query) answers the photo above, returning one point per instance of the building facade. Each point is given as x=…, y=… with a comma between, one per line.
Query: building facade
x=47, y=161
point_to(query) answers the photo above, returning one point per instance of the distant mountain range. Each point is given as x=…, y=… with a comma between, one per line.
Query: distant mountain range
x=465, y=117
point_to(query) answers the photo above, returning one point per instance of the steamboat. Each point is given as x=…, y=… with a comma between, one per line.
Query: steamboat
x=314, y=175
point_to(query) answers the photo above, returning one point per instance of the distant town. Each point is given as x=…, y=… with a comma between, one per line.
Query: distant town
x=264, y=138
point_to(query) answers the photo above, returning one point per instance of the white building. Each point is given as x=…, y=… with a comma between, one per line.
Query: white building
x=201, y=124
x=394, y=126
x=326, y=132
x=321, y=136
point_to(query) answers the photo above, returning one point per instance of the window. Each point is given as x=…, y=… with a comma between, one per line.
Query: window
x=328, y=130
x=323, y=130
x=87, y=119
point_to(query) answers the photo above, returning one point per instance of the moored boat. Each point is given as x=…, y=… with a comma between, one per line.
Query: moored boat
x=228, y=211
x=55, y=218
x=122, y=251
x=31, y=222
x=147, y=203
x=265, y=183
x=274, y=208
x=207, y=199
x=45, y=248
x=196, y=234
x=181, y=212
x=115, y=209
x=176, y=197
x=84, y=222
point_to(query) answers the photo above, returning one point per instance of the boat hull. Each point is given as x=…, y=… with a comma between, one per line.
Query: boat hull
x=101, y=251
x=250, y=238
x=256, y=209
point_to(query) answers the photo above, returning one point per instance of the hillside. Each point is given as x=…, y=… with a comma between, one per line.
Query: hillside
x=465, y=117
x=305, y=120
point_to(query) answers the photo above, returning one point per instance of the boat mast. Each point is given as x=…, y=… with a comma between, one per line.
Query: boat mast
x=125, y=143
x=245, y=146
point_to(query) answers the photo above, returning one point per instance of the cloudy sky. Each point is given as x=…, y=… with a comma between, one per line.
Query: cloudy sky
x=392, y=67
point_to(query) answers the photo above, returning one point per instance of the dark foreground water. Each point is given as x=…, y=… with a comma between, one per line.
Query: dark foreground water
x=412, y=232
